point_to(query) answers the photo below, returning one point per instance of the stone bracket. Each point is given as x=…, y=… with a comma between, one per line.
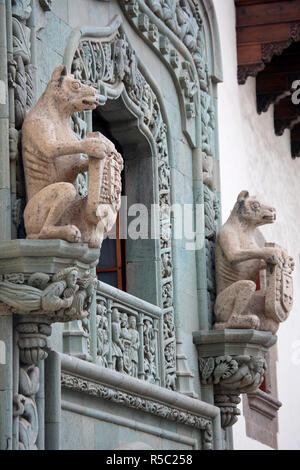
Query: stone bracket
x=233, y=362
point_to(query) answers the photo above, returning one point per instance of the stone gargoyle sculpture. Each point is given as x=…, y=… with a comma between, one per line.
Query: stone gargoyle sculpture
x=239, y=259
x=52, y=160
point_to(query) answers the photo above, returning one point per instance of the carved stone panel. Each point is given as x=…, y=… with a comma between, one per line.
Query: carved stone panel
x=129, y=340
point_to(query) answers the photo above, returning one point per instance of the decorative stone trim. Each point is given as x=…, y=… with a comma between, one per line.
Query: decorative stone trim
x=134, y=401
x=84, y=377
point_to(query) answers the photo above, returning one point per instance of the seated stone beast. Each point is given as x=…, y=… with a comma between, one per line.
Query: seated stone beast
x=239, y=260
x=52, y=160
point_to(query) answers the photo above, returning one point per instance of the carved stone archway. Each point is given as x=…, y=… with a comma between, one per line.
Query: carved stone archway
x=104, y=58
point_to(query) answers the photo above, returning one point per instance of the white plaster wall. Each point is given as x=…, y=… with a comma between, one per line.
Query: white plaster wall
x=252, y=157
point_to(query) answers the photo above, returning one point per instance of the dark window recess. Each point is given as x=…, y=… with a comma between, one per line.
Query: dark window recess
x=112, y=263
x=111, y=268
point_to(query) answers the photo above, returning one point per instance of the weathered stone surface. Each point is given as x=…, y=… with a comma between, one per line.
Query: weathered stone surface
x=233, y=361
x=239, y=260
x=53, y=209
x=47, y=256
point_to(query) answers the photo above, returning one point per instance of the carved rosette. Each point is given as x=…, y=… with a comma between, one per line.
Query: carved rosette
x=111, y=67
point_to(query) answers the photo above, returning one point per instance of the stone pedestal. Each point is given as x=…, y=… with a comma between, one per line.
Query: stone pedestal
x=41, y=282
x=32, y=264
x=46, y=256
x=233, y=361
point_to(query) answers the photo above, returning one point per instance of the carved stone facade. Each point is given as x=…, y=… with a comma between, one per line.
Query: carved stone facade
x=110, y=67
x=49, y=278
x=181, y=21
x=21, y=95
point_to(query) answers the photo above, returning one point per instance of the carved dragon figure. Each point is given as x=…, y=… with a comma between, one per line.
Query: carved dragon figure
x=239, y=260
x=52, y=160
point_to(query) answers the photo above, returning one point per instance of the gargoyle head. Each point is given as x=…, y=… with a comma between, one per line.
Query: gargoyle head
x=251, y=211
x=70, y=93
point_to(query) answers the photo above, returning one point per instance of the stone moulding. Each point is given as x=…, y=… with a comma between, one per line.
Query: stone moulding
x=264, y=403
x=80, y=376
x=231, y=341
x=175, y=55
x=233, y=362
x=21, y=256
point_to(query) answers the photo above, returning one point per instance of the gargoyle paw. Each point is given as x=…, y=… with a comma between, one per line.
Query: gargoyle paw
x=74, y=235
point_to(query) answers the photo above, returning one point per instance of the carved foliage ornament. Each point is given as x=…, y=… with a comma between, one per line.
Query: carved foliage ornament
x=182, y=18
x=231, y=376
x=63, y=297
x=25, y=407
x=138, y=403
x=238, y=374
x=279, y=293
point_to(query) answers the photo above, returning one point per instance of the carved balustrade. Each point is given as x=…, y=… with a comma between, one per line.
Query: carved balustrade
x=123, y=333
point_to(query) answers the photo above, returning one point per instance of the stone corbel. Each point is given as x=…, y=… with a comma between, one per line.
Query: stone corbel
x=233, y=362
x=41, y=283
